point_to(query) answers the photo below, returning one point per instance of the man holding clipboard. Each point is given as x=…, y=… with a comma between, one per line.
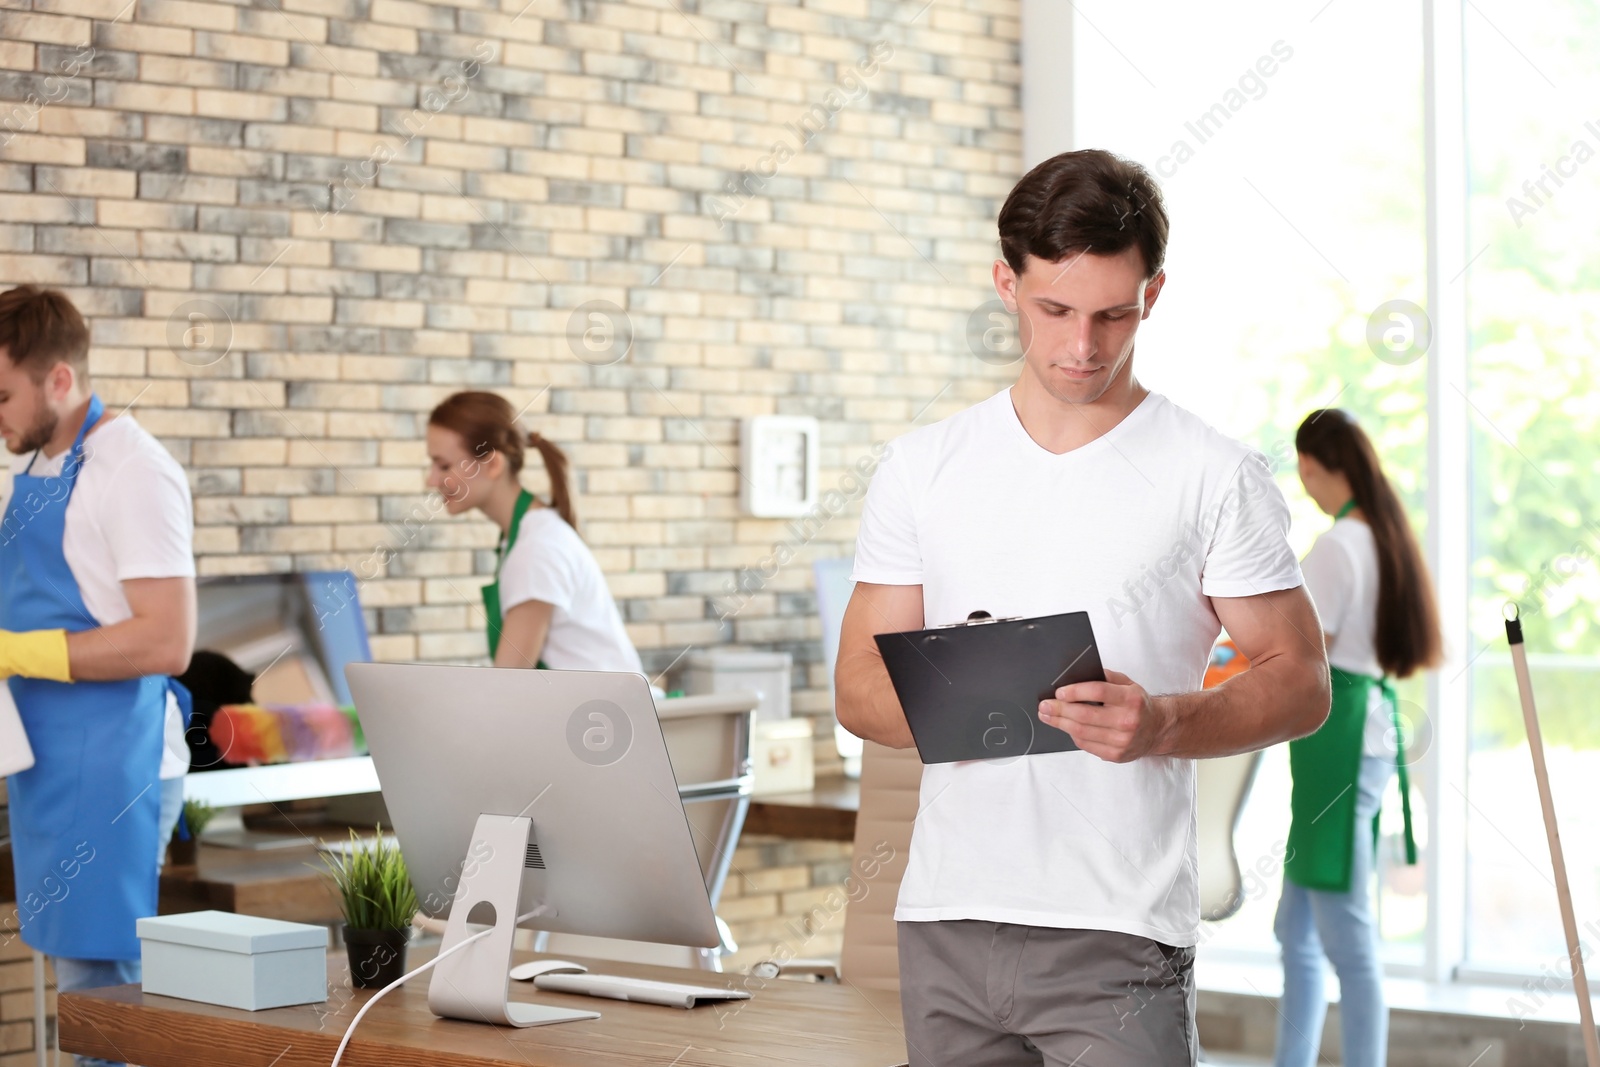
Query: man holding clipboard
x=1050, y=906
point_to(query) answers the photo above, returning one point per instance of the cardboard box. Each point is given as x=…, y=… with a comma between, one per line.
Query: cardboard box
x=236, y=961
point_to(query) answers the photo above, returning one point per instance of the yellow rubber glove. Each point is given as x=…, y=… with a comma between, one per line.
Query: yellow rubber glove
x=35, y=654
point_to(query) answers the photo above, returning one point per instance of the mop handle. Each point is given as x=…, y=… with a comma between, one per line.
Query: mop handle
x=1541, y=774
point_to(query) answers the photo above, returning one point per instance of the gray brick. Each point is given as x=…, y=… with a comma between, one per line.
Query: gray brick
x=430, y=70
x=517, y=240
x=187, y=187
x=507, y=81
x=601, y=194
x=70, y=241
x=16, y=176
x=346, y=10
x=797, y=604
x=402, y=509
x=46, y=89
x=350, y=339
x=428, y=234
x=398, y=342
x=103, y=301
x=321, y=169
x=535, y=111
x=257, y=422
x=185, y=129
x=441, y=41
x=198, y=248
x=395, y=620
x=289, y=194
x=214, y=481
x=431, y=287
x=356, y=283
x=241, y=220
x=752, y=34
x=122, y=155
x=17, y=237
x=479, y=100
x=470, y=371
x=704, y=583
x=821, y=407
x=101, y=63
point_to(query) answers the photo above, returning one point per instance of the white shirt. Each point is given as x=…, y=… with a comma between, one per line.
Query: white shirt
x=1138, y=528
x=1341, y=573
x=129, y=517
x=550, y=562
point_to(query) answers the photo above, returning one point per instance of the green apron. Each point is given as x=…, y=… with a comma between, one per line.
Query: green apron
x=494, y=620
x=1325, y=768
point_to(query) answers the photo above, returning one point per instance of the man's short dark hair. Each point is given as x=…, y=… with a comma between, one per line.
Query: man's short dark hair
x=1084, y=201
x=40, y=328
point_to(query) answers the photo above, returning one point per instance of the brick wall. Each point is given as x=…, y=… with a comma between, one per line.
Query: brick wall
x=16, y=997
x=298, y=225
x=785, y=899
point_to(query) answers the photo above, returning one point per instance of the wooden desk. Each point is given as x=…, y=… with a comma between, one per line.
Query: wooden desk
x=825, y=813
x=785, y=1024
x=273, y=883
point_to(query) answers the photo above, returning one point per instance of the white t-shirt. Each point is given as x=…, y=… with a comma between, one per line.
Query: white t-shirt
x=1138, y=528
x=550, y=562
x=1342, y=577
x=129, y=517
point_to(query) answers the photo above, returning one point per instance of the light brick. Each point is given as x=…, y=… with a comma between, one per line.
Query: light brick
x=241, y=49
x=44, y=29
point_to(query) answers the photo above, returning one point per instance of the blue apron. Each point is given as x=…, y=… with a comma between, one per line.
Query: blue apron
x=83, y=818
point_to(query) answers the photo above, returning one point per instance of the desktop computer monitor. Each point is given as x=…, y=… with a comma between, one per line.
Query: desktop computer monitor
x=580, y=756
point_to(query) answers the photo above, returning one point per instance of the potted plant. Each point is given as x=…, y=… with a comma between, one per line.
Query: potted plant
x=181, y=851
x=379, y=901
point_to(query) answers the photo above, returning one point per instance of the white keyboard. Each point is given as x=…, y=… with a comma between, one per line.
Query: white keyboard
x=641, y=990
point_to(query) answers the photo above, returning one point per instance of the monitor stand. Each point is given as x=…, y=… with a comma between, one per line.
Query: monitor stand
x=474, y=983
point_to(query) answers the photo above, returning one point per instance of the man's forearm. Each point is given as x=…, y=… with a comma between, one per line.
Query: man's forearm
x=1277, y=699
x=866, y=703
x=129, y=649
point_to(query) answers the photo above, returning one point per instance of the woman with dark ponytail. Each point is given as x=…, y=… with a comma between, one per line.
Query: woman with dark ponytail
x=1370, y=584
x=549, y=605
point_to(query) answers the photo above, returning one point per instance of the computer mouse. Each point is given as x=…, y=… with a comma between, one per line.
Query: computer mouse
x=527, y=972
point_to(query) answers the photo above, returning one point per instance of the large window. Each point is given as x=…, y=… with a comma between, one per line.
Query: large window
x=1289, y=140
x=1297, y=204
x=1533, y=300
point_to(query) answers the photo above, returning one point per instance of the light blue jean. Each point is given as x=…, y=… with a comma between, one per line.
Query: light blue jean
x=73, y=975
x=1314, y=923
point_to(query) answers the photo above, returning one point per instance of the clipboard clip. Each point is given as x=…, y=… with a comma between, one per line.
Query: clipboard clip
x=977, y=618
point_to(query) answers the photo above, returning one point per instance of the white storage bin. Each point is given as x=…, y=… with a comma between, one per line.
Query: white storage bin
x=236, y=961
x=727, y=670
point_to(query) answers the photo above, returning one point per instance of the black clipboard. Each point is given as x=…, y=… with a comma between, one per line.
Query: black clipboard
x=972, y=690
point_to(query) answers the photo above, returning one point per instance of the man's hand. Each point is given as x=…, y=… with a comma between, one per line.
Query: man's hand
x=1114, y=719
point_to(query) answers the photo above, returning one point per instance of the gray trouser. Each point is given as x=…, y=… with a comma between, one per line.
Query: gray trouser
x=983, y=994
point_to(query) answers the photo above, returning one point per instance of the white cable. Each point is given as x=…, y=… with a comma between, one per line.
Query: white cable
x=380, y=994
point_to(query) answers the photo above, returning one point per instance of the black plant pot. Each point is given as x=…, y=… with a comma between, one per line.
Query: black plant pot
x=377, y=957
x=182, y=853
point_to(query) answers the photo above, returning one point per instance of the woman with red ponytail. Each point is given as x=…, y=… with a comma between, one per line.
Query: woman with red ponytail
x=549, y=605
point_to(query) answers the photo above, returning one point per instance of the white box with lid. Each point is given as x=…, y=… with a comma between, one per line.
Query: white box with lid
x=725, y=670
x=782, y=757
x=235, y=961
